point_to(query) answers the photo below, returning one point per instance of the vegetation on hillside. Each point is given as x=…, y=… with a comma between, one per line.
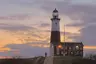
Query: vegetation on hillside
x=89, y=59
x=35, y=60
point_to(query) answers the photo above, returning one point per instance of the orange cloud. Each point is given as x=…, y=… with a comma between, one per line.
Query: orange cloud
x=89, y=47
x=5, y=57
x=4, y=49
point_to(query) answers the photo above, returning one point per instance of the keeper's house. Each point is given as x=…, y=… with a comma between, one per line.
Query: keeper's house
x=70, y=49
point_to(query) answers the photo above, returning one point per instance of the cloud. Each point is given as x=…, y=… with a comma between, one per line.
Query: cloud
x=14, y=27
x=88, y=35
x=87, y=16
x=83, y=13
x=26, y=6
x=67, y=33
x=27, y=50
x=19, y=33
x=75, y=25
x=15, y=17
x=44, y=25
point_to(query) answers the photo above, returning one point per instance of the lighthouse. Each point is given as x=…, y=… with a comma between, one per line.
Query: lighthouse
x=58, y=48
x=55, y=33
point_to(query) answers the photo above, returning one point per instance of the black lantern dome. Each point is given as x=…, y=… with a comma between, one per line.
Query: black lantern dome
x=55, y=10
x=55, y=13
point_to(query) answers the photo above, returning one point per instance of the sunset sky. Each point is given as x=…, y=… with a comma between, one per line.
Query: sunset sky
x=25, y=25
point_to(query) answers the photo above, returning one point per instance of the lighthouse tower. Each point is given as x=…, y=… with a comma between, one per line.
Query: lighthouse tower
x=55, y=33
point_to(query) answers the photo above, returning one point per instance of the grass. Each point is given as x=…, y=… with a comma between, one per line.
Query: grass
x=22, y=61
x=41, y=60
x=84, y=61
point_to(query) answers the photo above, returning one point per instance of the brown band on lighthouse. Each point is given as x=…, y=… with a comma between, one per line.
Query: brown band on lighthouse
x=55, y=37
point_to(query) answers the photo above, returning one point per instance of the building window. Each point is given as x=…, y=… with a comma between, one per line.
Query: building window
x=70, y=48
x=72, y=53
x=77, y=47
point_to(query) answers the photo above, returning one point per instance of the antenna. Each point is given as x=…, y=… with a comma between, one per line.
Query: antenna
x=64, y=40
x=64, y=33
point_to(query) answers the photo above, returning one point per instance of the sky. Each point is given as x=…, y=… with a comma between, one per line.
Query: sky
x=25, y=25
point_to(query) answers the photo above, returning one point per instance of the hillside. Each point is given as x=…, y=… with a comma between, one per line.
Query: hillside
x=36, y=60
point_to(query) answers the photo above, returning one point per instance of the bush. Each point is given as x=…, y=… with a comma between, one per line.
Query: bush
x=91, y=56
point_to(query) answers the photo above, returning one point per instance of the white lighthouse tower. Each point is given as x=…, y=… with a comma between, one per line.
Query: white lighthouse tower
x=55, y=33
